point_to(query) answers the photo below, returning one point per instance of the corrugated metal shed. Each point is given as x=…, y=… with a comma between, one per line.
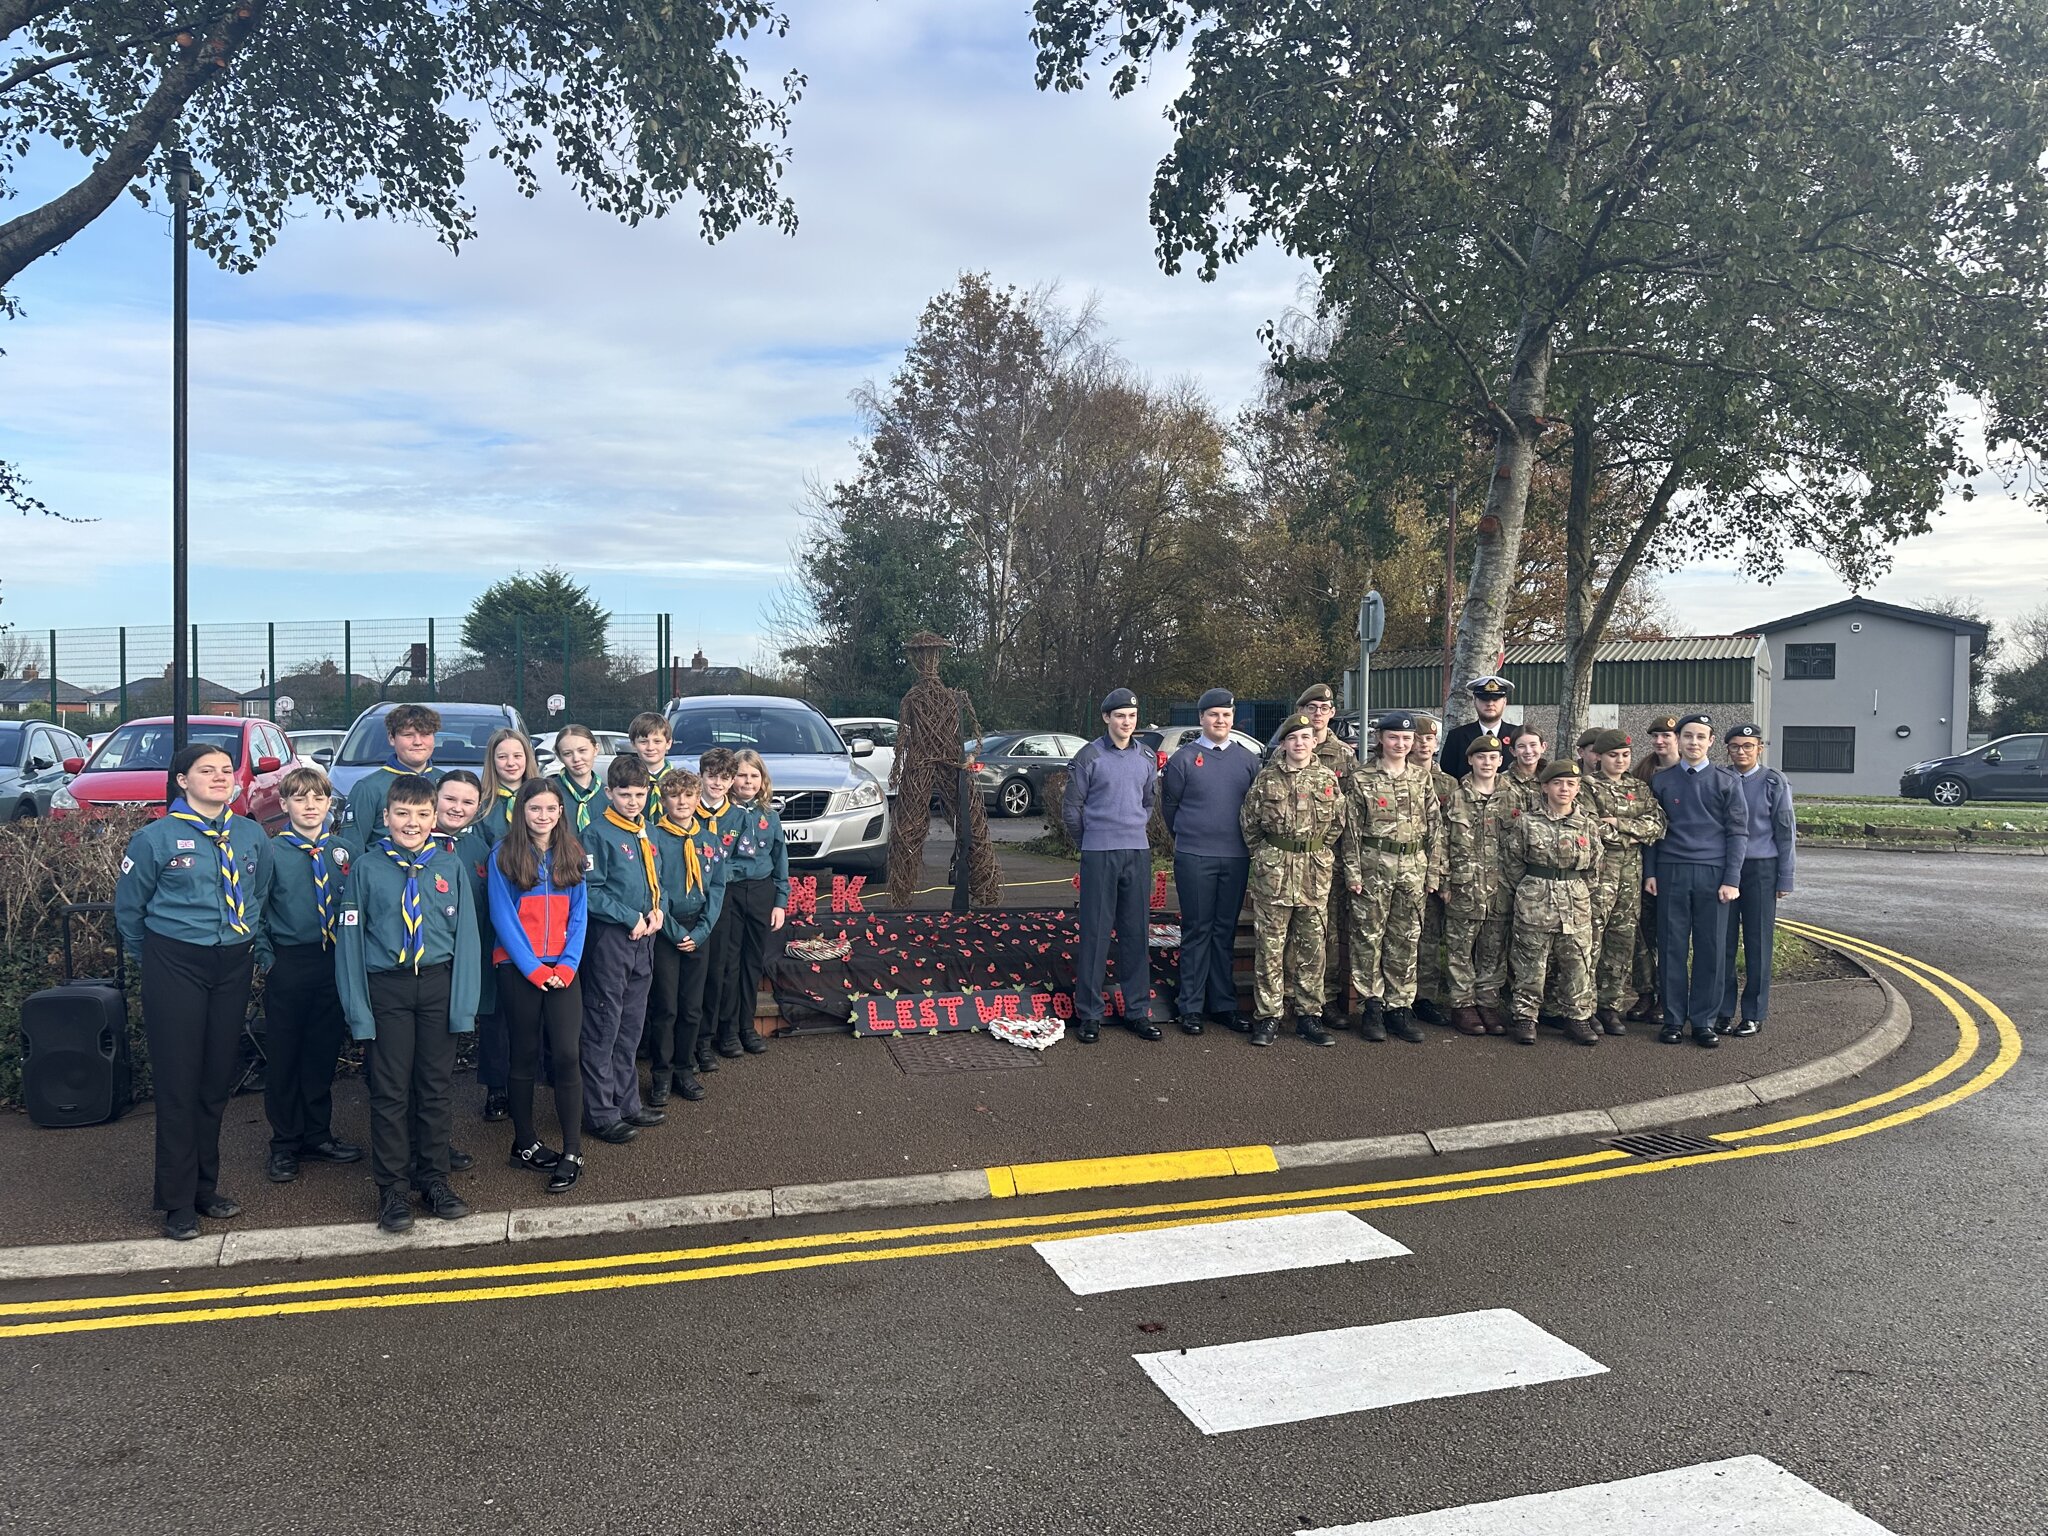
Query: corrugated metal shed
x=1701, y=669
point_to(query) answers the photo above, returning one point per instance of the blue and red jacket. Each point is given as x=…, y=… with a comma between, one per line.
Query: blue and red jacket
x=539, y=931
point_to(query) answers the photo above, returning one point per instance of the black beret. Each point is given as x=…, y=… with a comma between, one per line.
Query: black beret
x=1293, y=723
x=1609, y=741
x=1315, y=693
x=1119, y=698
x=1698, y=718
x=1563, y=768
x=1395, y=720
x=1484, y=744
x=1744, y=732
x=1492, y=686
x=1664, y=723
x=1215, y=698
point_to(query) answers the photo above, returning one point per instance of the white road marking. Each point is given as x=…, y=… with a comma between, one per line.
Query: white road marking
x=1123, y=1261
x=1744, y=1496
x=1347, y=1370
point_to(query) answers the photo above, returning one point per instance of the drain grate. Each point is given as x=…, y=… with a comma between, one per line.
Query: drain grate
x=1655, y=1144
x=966, y=1050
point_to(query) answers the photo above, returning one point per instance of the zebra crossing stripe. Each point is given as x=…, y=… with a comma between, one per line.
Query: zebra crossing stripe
x=1123, y=1261
x=1743, y=1496
x=1347, y=1370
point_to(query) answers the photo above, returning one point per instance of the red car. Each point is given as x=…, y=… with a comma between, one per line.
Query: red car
x=129, y=767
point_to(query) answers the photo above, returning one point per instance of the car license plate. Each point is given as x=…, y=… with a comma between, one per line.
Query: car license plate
x=796, y=834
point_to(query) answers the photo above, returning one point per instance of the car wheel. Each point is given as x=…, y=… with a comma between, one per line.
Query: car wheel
x=26, y=811
x=1948, y=791
x=1015, y=799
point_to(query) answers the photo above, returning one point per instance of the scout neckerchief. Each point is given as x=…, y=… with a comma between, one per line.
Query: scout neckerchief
x=412, y=949
x=395, y=766
x=639, y=830
x=216, y=833
x=582, y=799
x=315, y=849
x=445, y=841
x=506, y=797
x=693, y=868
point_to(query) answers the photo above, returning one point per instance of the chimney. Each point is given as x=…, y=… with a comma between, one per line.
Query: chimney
x=30, y=671
x=698, y=663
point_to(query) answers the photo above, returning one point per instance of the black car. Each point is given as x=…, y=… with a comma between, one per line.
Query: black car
x=1016, y=764
x=2010, y=768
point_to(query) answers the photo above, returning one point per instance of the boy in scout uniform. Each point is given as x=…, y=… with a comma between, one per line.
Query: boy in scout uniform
x=1293, y=819
x=1630, y=820
x=1429, y=967
x=1395, y=859
x=1663, y=737
x=1476, y=903
x=1551, y=858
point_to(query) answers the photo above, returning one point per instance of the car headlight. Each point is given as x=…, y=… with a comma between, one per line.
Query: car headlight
x=61, y=799
x=860, y=797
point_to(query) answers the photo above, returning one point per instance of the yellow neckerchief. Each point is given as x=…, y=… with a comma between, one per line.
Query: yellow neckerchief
x=639, y=830
x=693, y=869
x=508, y=796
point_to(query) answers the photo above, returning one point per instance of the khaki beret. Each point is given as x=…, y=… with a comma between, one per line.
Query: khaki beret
x=1609, y=741
x=1563, y=768
x=1484, y=744
x=1293, y=723
x=1664, y=723
x=1315, y=693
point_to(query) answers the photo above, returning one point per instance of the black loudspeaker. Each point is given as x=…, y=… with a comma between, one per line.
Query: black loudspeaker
x=74, y=1046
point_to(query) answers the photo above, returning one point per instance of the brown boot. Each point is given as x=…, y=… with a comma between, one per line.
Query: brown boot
x=1465, y=1020
x=1525, y=1031
x=1581, y=1032
x=1495, y=1017
x=1610, y=1020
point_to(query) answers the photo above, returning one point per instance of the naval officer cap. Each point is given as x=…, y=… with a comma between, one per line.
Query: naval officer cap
x=1563, y=768
x=1491, y=686
x=1215, y=698
x=1119, y=698
x=1743, y=732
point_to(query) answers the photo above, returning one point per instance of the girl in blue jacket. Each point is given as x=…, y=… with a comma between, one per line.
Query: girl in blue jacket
x=537, y=902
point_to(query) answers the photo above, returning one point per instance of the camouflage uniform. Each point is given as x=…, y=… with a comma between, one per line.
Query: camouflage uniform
x=1524, y=794
x=1643, y=966
x=1396, y=852
x=1292, y=821
x=1618, y=893
x=1476, y=908
x=1430, y=967
x=1552, y=863
x=1334, y=753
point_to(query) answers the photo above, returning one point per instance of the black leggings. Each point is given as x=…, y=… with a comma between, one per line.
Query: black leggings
x=748, y=904
x=528, y=1011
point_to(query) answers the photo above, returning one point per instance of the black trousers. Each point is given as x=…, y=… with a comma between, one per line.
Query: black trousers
x=303, y=1031
x=1116, y=893
x=1211, y=896
x=747, y=905
x=195, y=998
x=412, y=1075
x=721, y=973
x=675, y=1007
x=532, y=1014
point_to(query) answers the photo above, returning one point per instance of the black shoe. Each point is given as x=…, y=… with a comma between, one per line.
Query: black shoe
x=217, y=1207
x=181, y=1226
x=1745, y=1029
x=617, y=1134
x=1191, y=1023
x=1551, y=1021
x=536, y=1155
x=1372, y=1019
x=1426, y=1010
x=729, y=1048
x=443, y=1201
x=1231, y=1019
x=1311, y=1029
x=657, y=1091
x=460, y=1161
x=707, y=1059
x=282, y=1168
x=687, y=1087
x=1671, y=1034
x=565, y=1172
x=1265, y=1031
x=751, y=1042
x=647, y=1117
x=332, y=1150
x=1087, y=1031
x=1523, y=1030
x=496, y=1105
x=1705, y=1039
x=394, y=1211
x=1723, y=1025
x=1402, y=1026
x=1144, y=1029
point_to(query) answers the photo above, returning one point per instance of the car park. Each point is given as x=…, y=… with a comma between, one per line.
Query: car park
x=1012, y=767
x=833, y=809
x=130, y=767
x=2010, y=768
x=878, y=729
x=465, y=728
x=32, y=758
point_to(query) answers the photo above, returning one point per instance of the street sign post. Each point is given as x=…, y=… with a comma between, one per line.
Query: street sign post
x=1372, y=624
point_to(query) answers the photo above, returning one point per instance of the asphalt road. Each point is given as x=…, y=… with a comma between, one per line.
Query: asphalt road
x=1868, y=1314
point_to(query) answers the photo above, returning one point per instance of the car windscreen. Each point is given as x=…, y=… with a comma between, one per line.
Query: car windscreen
x=146, y=744
x=459, y=743
x=12, y=735
x=768, y=730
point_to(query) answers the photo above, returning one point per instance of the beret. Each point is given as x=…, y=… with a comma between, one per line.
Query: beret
x=1699, y=717
x=1119, y=698
x=1293, y=723
x=1563, y=768
x=1315, y=693
x=1586, y=737
x=1215, y=698
x=1484, y=744
x=1490, y=687
x=1664, y=723
x=1609, y=741
x=1427, y=723
x=1744, y=732
x=1395, y=720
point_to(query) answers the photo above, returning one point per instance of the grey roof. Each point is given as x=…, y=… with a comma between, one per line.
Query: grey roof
x=16, y=691
x=208, y=689
x=1979, y=633
x=1552, y=652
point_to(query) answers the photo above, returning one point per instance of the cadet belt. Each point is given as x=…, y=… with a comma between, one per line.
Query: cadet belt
x=1293, y=844
x=1388, y=845
x=1552, y=872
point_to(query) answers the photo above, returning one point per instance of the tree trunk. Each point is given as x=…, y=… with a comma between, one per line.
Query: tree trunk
x=1581, y=641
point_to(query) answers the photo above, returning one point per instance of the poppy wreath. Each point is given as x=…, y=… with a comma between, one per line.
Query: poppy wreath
x=1032, y=1034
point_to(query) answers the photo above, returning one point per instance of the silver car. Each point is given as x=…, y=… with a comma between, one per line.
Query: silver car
x=833, y=810
x=880, y=730
x=32, y=758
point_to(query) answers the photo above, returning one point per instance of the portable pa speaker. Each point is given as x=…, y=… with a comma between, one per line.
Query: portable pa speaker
x=74, y=1045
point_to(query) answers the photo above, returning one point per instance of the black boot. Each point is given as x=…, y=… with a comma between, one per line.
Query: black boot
x=1427, y=1011
x=1581, y=1032
x=1265, y=1031
x=1310, y=1028
x=1401, y=1024
x=750, y=1041
x=1233, y=1020
x=1372, y=1019
x=496, y=1105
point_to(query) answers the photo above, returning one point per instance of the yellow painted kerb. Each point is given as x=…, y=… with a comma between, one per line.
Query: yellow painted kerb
x=1144, y=1168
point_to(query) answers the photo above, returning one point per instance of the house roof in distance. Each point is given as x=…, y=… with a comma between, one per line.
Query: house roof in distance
x=1979, y=633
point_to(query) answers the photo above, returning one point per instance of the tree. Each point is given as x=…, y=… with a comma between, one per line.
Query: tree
x=547, y=616
x=1749, y=257
x=2019, y=699
x=1984, y=661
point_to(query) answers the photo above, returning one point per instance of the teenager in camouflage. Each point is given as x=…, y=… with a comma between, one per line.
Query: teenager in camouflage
x=1293, y=819
x=1551, y=857
x=1630, y=819
x=1319, y=703
x=1476, y=902
x=1395, y=859
x=1429, y=965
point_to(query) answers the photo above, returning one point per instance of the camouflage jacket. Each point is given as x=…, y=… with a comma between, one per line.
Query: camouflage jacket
x=1292, y=820
x=1402, y=809
x=1638, y=820
x=1545, y=903
x=1475, y=825
x=1526, y=794
x=1446, y=785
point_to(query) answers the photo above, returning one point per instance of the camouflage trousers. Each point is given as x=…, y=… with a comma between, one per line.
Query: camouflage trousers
x=1644, y=966
x=1562, y=957
x=1617, y=919
x=1429, y=963
x=1386, y=928
x=1336, y=923
x=1475, y=956
x=1287, y=958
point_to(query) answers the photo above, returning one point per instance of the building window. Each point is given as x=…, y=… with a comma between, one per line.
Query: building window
x=1817, y=748
x=1809, y=661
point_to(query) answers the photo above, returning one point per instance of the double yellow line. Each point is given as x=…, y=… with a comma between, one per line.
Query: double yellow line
x=721, y=1261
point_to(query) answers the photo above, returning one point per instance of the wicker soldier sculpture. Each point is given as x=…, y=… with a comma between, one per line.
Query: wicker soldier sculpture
x=927, y=767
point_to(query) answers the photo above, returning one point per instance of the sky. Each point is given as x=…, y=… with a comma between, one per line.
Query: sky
x=380, y=428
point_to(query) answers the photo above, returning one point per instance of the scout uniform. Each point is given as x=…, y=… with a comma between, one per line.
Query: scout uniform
x=495, y=818
x=692, y=871
x=303, y=1025
x=622, y=877
x=362, y=817
x=1637, y=822
x=1429, y=970
x=723, y=976
x=473, y=845
x=1643, y=969
x=1395, y=855
x=756, y=882
x=1551, y=863
x=579, y=805
x=1292, y=820
x=1476, y=903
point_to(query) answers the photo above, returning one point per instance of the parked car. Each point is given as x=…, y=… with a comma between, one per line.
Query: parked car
x=1016, y=764
x=32, y=759
x=458, y=744
x=833, y=810
x=2010, y=768
x=879, y=730
x=130, y=765
x=1165, y=740
x=317, y=747
x=609, y=745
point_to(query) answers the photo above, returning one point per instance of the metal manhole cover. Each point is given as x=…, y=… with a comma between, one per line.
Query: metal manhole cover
x=967, y=1050
x=1654, y=1144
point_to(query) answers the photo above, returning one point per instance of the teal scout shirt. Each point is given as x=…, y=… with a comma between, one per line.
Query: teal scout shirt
x=372, y=931
x=685, y=913
x=171, y=884
x=757, y=850
x=362, y=819
x=291, y=911
x=615, y=874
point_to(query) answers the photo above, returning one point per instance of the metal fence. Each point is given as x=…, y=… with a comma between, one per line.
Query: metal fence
x=308, y=674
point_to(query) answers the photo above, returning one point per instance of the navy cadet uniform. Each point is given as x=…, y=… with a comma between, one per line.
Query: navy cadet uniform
x=1201, y=794
x=188, y=905
x=362, y=816
x=303, y=1026
x=1766, y=875
x=1701, y=851
x=1108, y=811
x=1457, y=746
